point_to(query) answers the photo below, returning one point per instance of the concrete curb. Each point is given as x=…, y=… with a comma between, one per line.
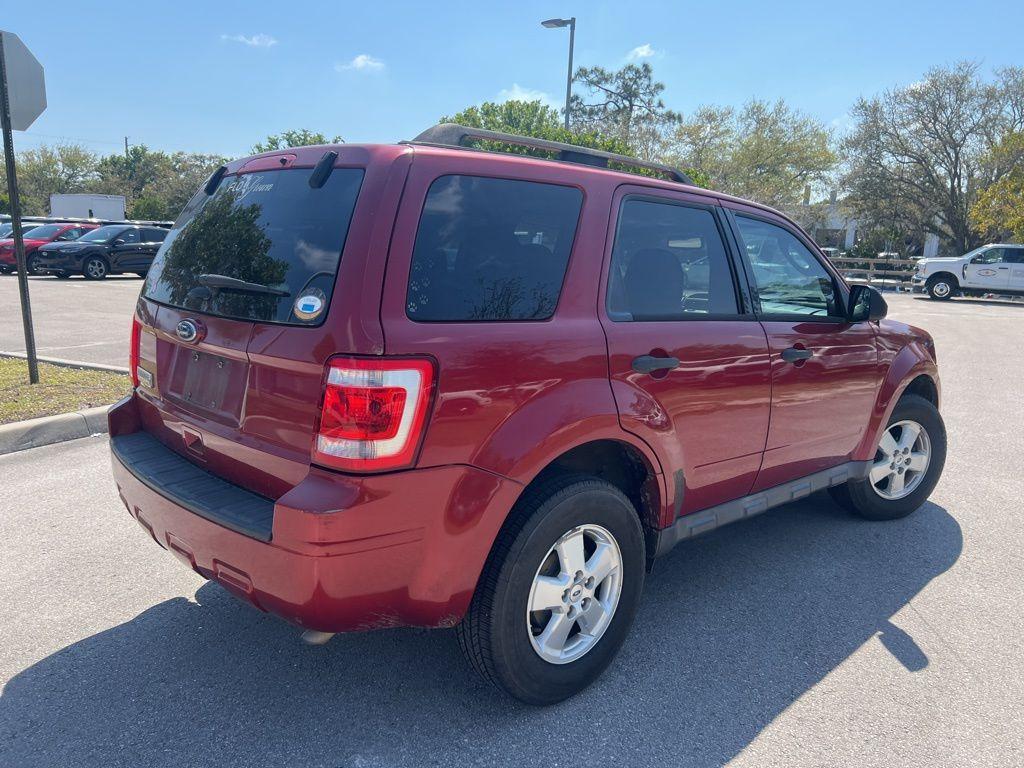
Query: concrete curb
x=33, y=433
x=70, y=363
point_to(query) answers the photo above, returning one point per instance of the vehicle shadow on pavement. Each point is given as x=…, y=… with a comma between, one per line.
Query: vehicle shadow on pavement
x=734, y=628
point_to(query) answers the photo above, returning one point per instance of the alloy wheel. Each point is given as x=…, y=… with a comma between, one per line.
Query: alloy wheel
x=574, y=595
x=901, y=461
x=95, y=268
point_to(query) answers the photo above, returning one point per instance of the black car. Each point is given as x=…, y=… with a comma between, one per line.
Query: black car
x=110, y=250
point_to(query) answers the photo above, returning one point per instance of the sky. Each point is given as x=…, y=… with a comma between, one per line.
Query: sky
x=219, y=76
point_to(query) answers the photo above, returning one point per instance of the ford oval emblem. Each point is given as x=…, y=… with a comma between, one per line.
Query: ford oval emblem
x=187, y=330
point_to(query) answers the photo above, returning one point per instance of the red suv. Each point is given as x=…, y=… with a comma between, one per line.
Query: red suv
x=35, y=238
x=429, y=385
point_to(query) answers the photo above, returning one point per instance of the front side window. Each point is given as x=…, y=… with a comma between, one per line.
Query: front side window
x=668, y=263
x=788, y=279
x=491, y=250
x=990, y=256
x=129, y=236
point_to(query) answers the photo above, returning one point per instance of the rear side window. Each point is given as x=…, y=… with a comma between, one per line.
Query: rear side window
x=668, y=263
x=263, y=247
x=491, y=250
x=154, y=235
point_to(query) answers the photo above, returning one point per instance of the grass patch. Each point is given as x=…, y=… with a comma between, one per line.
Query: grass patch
x=59, y=390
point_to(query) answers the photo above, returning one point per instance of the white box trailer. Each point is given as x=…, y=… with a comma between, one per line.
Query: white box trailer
x=87, y=206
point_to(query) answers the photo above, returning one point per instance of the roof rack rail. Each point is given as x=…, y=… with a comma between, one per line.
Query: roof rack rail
x=455, y=135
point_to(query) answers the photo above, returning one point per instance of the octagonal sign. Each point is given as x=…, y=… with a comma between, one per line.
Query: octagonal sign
x=25, y=87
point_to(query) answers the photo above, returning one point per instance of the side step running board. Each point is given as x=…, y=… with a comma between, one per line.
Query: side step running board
x=707, y=520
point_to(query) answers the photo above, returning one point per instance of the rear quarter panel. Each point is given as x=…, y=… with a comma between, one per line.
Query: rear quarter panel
x=511, y=396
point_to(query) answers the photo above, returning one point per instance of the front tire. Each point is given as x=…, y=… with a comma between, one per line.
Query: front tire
x=33, y=265
x=558, y=592
x=941, y=287
x=95, y=268
x=907, y=464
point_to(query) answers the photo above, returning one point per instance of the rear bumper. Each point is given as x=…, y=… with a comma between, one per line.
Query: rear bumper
x=345, y=552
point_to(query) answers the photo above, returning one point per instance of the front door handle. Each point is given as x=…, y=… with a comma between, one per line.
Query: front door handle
x=796, y=354
x=650, y=364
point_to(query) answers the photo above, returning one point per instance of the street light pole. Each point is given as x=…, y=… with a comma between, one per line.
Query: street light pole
x=571, y=24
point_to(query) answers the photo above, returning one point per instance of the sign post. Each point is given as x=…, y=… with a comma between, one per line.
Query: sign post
x=22, y=100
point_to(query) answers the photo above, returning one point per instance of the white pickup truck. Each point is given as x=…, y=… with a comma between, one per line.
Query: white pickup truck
x=993, y=268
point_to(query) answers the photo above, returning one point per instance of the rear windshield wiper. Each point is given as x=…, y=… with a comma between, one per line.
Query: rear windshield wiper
x=242, y=286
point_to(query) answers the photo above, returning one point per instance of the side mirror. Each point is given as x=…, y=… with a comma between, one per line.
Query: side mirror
x=866, y=304
x=119, y=241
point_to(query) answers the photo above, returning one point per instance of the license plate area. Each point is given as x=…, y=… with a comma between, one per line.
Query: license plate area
x=207, y=383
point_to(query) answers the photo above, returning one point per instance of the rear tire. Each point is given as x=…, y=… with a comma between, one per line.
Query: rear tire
x=95, y=268
x=32, y=265
x=941, y=287
x=523, y=651
x=876, y=497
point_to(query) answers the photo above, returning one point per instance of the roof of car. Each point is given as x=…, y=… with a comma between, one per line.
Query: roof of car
x=361, y=154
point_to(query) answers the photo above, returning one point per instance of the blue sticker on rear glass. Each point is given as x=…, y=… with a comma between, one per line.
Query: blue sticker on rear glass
x=310, y=304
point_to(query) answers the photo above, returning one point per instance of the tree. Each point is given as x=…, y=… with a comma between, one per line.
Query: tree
x=625, y=104
x=917, y=154
x=765, y=152
x=130, y=174
x=287, y=139
x=51, y=170
x=529, y=118
x=999, y=211
x=536, y=119
x=184, y=173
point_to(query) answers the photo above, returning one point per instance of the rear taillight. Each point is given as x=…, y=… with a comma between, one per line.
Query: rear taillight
x=133, y=352
x=373, y=413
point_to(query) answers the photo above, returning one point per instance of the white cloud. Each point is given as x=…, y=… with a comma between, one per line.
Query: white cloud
x=258, y=40
x=518, y=93
x=363, y=61
x=644, y=51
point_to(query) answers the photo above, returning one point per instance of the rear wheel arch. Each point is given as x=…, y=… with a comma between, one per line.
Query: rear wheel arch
x=616, y=461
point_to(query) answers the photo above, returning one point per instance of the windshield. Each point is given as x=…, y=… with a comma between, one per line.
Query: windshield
x=264, y=247
x=101, y=235
x=45, y=232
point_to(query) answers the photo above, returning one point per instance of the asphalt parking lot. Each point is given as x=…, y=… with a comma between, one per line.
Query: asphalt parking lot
x=75, y=319
x=803, y=637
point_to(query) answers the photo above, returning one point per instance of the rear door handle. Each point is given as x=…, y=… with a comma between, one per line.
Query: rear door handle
x=795, y=354
x=650, y=364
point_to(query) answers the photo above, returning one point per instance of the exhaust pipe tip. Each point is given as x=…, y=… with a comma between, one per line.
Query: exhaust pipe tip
x=313, y=637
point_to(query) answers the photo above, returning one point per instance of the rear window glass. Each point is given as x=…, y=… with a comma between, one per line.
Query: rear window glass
x=491, y=249
x=263, y=247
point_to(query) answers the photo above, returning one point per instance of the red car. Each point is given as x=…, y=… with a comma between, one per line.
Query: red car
x=35, y=238
x=429, y=385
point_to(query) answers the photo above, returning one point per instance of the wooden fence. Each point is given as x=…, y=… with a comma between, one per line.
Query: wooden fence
x=891, y=272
